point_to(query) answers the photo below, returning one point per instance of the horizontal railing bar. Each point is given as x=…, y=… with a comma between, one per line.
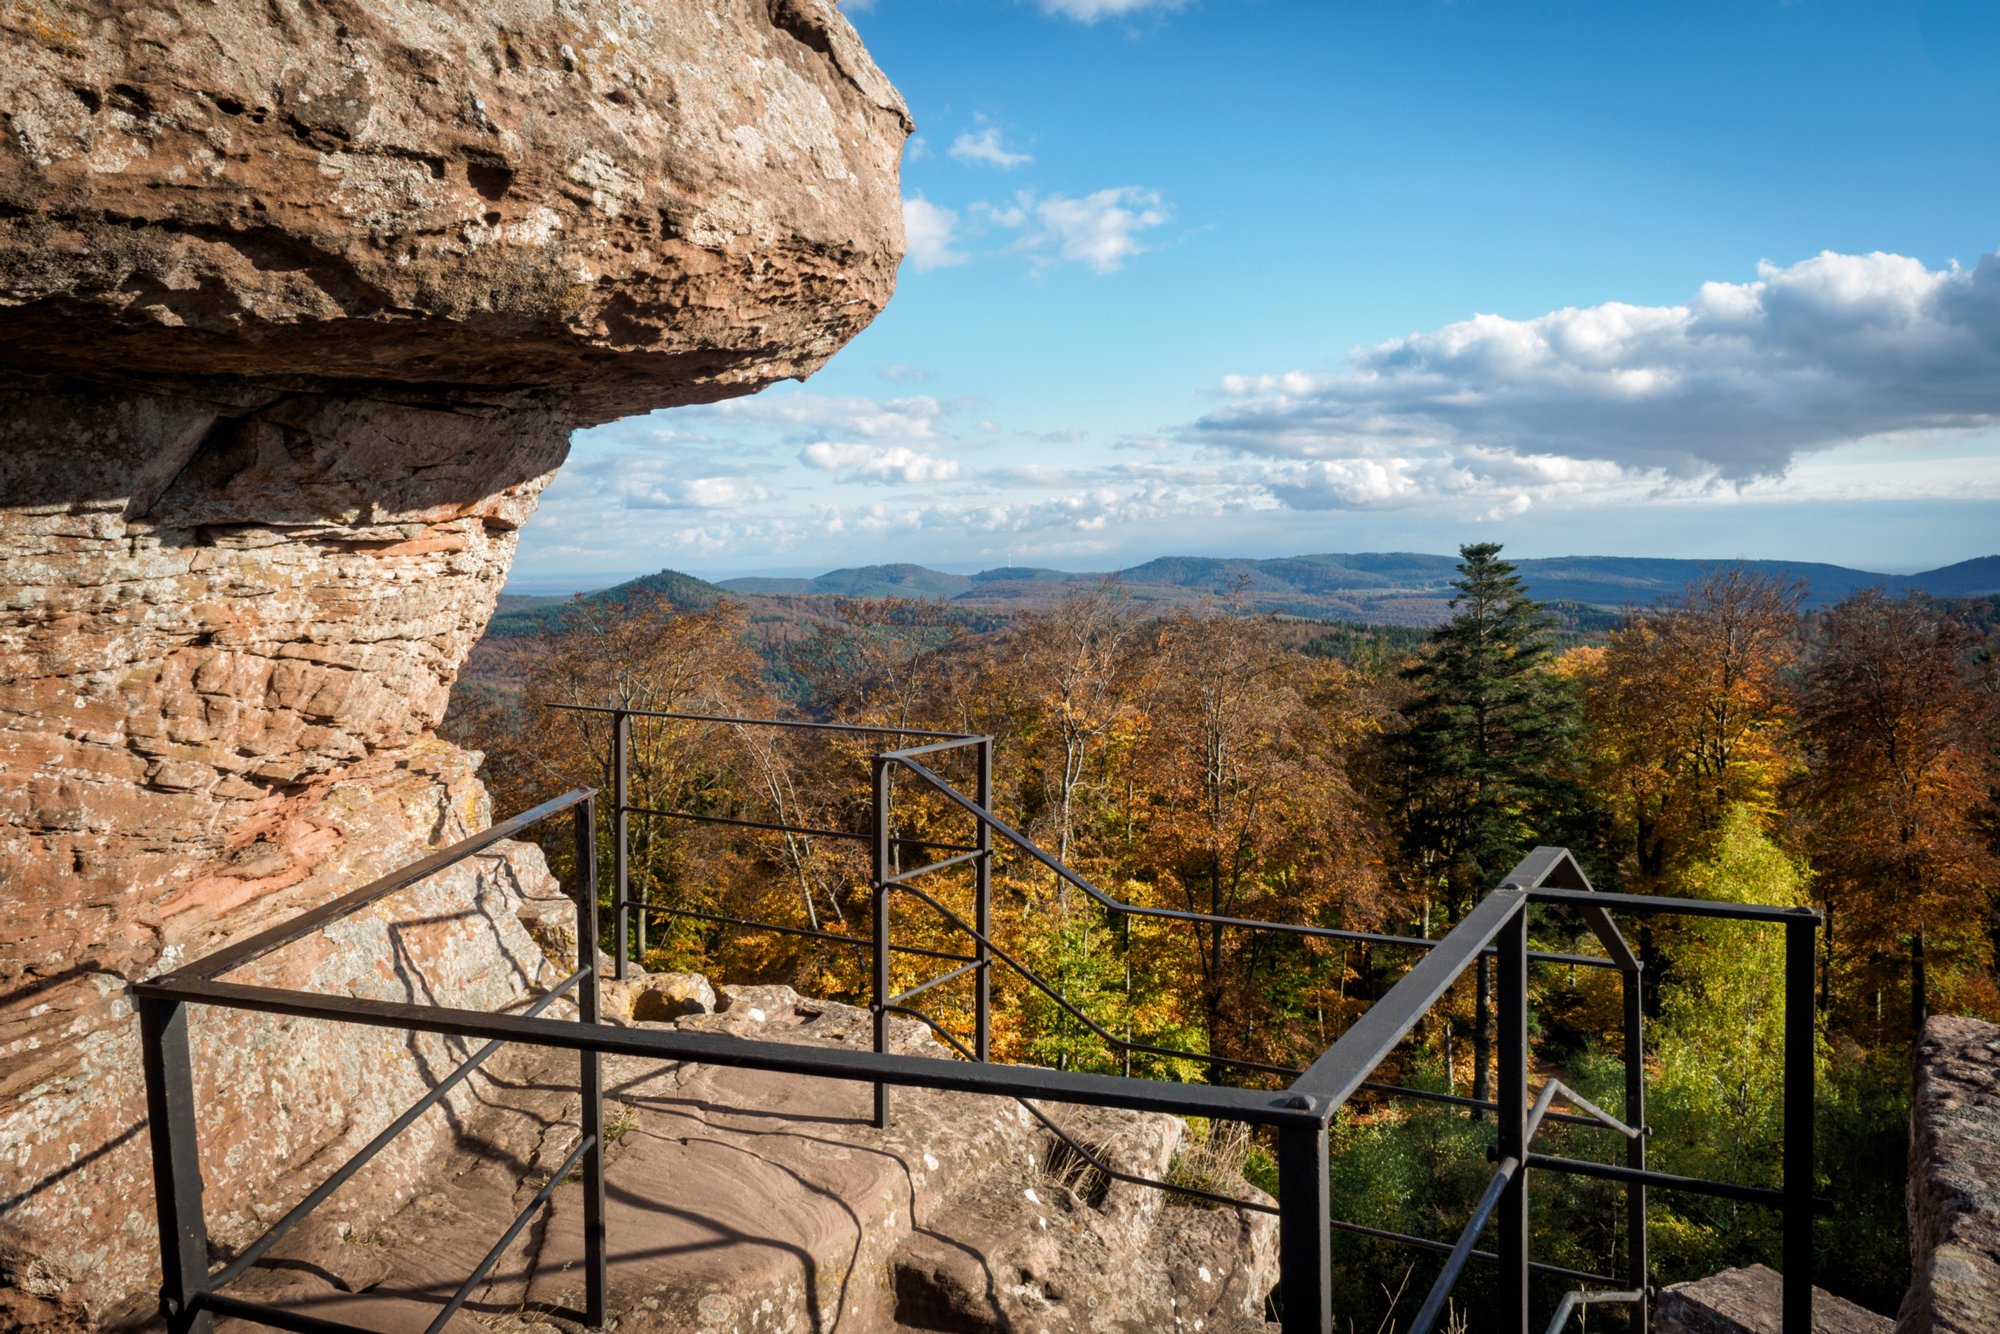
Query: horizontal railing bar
x=805, y=831
x=1468, y=1238
x=264, y=942
x=521, y=1220
x=256, y=1250
x=855, y=942
x=793, y=723
x=1460, y=1100
x=1036, y=980
x=1179, y=1053
x=1193, y=1192
x=1257, y=1107
x=1342, y=1067
x=903, y=876
x=1648, y=903
x=921, y=987
x=1444, y=1248
x=1049, y=863
x=1575, y=1298
x=1726, y=1190
x=933, y=748
x=277, y=1317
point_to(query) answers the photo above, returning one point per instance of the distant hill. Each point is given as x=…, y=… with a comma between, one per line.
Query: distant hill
x=868, y=581
x=1976, y=578
x=542, y=614
x=1394, y=588
x=507, y=602
x=1375, y=587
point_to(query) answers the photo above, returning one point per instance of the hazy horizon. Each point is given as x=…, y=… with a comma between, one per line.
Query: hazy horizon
x=561, y=585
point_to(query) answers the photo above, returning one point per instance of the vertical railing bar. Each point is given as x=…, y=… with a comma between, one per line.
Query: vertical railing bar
x=879, y=871
x=1512, y=1117
x=177, y=1186
x=1638, y=1265
x=1125, y=921
x=1305, y=1233
x=1800, y=939
x=590, y=1073
x=982, y=884
x=1482, y=1053
x=621, y=880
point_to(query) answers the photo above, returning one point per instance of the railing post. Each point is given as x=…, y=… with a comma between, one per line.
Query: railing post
x=1125, y=924
x=1800, y=938
x=590, y=1075
x=1305, y=1236
x=879, y=884
x=1482, y=1023
x=1638, y=1266
x=982, y=908
x=163, y=1039
x=621, y=880
x=1512, y=1095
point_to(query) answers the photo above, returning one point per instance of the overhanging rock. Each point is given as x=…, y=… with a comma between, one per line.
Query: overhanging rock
x=298, y=306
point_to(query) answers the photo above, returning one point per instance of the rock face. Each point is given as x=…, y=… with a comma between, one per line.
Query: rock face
x=1748, y=1301
x=1954, y=1182
x=298, y=305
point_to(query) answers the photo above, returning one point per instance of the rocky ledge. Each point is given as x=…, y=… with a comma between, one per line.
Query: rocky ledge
x=1954, y=1183
x=1748, y=1301
x=743, y=1201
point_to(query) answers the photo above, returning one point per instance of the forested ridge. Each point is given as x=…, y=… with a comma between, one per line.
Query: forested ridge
x=1728, y=743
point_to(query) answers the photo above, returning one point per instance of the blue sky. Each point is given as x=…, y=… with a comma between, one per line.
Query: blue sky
x=1264, y=277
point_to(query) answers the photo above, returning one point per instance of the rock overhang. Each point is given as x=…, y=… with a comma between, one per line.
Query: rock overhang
x=299, y=302
x=611, y=205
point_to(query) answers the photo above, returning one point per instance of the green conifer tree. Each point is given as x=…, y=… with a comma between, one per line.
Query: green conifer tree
x=1489, y=763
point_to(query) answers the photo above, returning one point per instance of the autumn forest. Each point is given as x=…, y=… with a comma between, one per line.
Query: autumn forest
x=1727, y=744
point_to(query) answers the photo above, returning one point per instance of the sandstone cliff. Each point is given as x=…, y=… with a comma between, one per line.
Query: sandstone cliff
x=299, y=302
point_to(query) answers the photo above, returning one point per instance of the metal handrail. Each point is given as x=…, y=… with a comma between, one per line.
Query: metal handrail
x=190, y=1295
x=1299, y=1115
x=1067, y=873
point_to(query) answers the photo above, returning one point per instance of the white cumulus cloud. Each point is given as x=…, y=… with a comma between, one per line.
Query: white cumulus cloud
x=1090, y=11
x=927, y=235
x=1101, y=229
x=1733, y=384
x=809, y=416
x=854, y=462
x=984, y=148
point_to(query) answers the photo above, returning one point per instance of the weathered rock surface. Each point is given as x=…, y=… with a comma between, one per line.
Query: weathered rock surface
x=1748, y=1301
x=1954, y=1181
x=298, y=305
x=640, y=204
x=282, y=1102
x=741, y=1201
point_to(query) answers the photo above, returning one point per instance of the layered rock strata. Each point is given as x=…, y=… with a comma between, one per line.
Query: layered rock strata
x=1954, y=1181
x=299, y=303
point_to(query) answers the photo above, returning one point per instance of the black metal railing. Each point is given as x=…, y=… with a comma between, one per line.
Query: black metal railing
x=1491, y=940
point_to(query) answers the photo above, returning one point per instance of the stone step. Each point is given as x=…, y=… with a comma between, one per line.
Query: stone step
x=741, y=1201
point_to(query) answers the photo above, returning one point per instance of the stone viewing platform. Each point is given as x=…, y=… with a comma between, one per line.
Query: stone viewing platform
x=747, y=1201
